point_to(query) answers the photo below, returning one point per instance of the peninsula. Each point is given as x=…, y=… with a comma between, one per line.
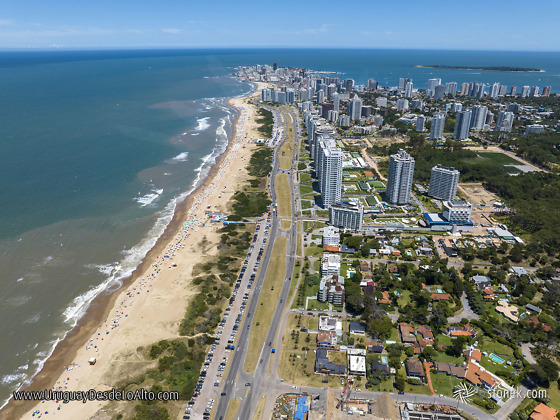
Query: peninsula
x=483, y=68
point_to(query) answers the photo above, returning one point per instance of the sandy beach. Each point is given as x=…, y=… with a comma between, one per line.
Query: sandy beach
x=152, y=302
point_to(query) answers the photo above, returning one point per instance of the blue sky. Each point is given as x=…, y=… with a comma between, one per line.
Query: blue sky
x=433, y=24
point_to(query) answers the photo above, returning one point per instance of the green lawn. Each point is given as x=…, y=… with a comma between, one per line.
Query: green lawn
x=315, y=304
x=305, y=204
x=284, y=195
x=444, y=384
x=304, y=177
x=317, y=265
x=405, y=298
x=305, y=189
x=307, y=224
x=313, y=251
x=499, y=158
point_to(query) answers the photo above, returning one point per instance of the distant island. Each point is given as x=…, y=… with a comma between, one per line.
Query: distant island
x=483, y=68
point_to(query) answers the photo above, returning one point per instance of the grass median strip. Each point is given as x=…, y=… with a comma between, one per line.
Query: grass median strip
x=232, y=409
x=284, y=196
x=259, y=414
x=285, y=224
x=270, y=294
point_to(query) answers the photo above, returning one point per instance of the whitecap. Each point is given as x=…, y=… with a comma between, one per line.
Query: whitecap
x=181, y=157
x=20, y=279
x=132, y=258
x=148, y=198
x=12, y=379
x=202, y=124
x=33, y=319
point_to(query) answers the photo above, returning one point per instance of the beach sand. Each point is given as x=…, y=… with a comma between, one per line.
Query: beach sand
x=151, y=304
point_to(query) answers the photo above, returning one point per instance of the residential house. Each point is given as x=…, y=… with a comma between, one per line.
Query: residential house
x=507, y=310
x=450, y=369
x=330, y=248
x=356, y=362
x=393, y=269
x=414, y=369
x=375, y=365
x=472, y=353
x=357, y=327
x=533, y=308
x=482, y=282
x=426, y=333
x=440, y=296
x=376, y=347
x=385, y=298
x=326, y=340
x=324, y=365
x=456, y=331
x=479, y=376
x=544, y=412
x=407, y=334
x=535, y=321
x=488, y=294
x=424, y=251
x=330, y=324
x=519, y=271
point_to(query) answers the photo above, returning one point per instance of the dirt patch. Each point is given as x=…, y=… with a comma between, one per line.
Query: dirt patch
x=477, y=195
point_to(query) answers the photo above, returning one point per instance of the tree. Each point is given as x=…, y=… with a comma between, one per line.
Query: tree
x=429, y=353
x=546, y=370
x=399, y=383
x=456, y=349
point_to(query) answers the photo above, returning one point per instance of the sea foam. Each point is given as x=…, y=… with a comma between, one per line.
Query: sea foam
x=202, y=124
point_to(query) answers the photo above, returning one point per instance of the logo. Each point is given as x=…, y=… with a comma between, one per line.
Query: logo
x=464, y=393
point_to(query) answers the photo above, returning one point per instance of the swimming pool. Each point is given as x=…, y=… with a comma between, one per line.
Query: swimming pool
x=383, y=360
x=496, y=358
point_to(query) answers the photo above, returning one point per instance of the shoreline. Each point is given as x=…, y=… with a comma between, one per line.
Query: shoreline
x=100, y=308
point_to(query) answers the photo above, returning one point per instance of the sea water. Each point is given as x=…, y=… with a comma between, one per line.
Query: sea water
x=97, y=146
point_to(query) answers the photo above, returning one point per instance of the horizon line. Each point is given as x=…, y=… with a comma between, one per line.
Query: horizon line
x=186, y=48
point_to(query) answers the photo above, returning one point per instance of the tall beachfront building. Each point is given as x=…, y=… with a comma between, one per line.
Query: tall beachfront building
x=478, y=118
x=408, y=90
x=504, y=121
x=399, y=182
x=451, y=88
x=462, y=125
x=443, y=183
x=438, y=124
x=329, y=172
x=431, y=86
x=355, y=108
x=494, y=90
x=347, y=216
x=420, y=120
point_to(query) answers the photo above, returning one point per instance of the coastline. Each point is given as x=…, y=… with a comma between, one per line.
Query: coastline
x=101, y=307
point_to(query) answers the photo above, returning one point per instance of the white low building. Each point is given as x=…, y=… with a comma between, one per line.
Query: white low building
x=330, y=265
x=331, y=236
x=327, y=323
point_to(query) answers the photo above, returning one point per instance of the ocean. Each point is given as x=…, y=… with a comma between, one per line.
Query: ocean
x=98, y=146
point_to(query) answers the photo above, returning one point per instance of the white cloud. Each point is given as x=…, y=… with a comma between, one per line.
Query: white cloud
x=325, y=27
x=6, y=22
x=172, y=30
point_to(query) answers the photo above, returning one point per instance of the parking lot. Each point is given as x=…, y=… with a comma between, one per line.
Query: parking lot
x=209, y=385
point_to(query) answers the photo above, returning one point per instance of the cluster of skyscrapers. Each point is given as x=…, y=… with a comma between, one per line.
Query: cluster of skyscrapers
x=443, y=180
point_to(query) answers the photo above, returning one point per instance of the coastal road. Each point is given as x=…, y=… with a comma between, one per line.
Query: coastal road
x=261, y=381
x=234, y=386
